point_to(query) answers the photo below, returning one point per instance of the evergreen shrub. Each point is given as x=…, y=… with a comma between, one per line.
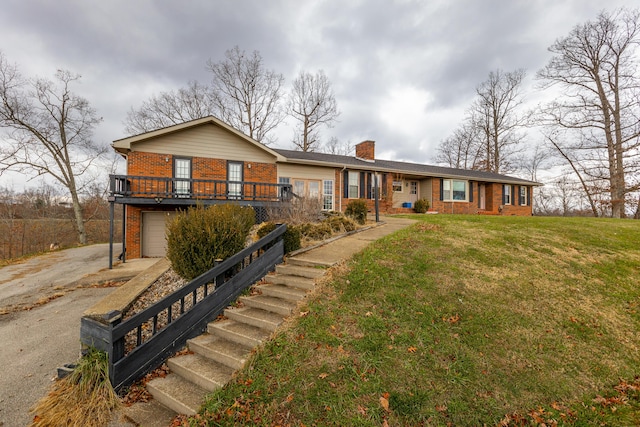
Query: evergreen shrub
x=421, y=206
x=357, y=209
x=291, y=237
x=200, y=235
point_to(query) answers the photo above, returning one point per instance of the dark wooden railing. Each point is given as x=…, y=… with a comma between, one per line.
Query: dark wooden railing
x=160, y=188
x=141, y=343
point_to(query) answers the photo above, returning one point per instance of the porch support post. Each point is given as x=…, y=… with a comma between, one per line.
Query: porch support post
x=124, y=227
x=375, y=196
x=111, y=209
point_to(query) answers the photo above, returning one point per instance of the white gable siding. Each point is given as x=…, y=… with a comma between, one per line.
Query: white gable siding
x=209, y=141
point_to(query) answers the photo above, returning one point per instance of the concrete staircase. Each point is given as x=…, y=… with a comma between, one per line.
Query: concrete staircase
x=226, y=345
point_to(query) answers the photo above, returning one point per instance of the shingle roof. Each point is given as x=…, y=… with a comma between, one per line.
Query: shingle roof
x=395, y=166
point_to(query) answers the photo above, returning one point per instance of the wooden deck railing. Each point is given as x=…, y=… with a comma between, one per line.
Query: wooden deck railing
x=141, y=343
x=160, y=188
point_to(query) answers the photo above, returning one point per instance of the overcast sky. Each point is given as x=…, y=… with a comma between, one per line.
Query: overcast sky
x=403, y=72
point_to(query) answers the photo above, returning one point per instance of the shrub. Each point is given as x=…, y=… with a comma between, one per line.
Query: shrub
x=421, y=206
x=291, y=236
x=199, y=236
x=319, y=231
x=340, y=223
x=292, y=239
x=357, y=209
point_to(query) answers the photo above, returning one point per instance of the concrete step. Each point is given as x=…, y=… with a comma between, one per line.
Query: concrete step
x=148, y=414
x=296, y=270
x=299, y=282
x=305, y=262
x=206, y=373
x=228, y=353
x=177, y=394
x=255, y=317
x=264, y=302
x=281, y=291
x=240, y=333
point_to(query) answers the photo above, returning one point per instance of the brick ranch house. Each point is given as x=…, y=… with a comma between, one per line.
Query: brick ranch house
x=207, y=161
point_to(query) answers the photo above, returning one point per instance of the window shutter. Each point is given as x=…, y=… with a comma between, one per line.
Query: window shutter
x=369, y=185
x=362, y=185
x=528, y=195
x=504, y=198
x=345, y=184
x=384, y=185
x=514, y=199
x=441, y=188
x=471, y=191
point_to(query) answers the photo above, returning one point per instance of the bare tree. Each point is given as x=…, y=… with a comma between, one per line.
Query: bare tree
x=341, y=148
x=171, y=108
x=490, y=136
x=596, y=68
x=461, y=150
x=532, y=162
x=312, y=104
x=245, y=94
x=48, y=131
x=495, y=113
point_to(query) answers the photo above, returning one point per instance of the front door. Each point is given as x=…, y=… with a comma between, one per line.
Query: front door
x=413, y=191
x=481, y=197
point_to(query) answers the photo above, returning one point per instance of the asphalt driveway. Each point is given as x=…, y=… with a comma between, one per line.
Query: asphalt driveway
x=41, y=303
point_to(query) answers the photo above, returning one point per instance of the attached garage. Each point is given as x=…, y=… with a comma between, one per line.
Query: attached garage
x=154, y=226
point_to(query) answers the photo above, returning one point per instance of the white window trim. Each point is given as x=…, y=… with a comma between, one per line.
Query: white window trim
x=507, y=193
x=522, y=198
x=325, y=195
x=466, y=191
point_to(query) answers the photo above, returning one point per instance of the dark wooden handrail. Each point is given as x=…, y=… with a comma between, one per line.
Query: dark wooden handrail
x=217, y=287
x=133, y=186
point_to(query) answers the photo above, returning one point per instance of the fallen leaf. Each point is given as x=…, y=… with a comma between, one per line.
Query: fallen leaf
x=441, y=408
x=384, y=402
x=303, y=313
x=368, y=313
x=362, y=410
x=323, y=375
x=412, y=349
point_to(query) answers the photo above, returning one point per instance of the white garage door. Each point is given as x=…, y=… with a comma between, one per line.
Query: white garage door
x=154, y=225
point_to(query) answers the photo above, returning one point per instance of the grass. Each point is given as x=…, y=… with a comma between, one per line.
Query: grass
x=463, y=321
x=83, y=398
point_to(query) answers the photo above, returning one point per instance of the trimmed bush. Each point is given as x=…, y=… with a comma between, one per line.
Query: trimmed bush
x=198, y=236
x=291, y=237
x=421, y=206
x=357, y=209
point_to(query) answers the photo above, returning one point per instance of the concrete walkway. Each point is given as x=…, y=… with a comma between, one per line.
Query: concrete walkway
x=152, y=414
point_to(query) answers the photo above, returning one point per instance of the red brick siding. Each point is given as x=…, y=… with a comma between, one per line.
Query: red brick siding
x=161, y=165
x=366, y=150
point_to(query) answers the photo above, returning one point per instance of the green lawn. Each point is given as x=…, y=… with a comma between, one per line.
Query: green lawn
x=463, y=321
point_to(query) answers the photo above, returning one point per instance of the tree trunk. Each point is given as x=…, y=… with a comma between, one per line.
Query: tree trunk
x=79, y=219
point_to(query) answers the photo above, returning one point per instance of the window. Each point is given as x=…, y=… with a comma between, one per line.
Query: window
x=327, y=195
x=298, y=188
x=507, y=194
x=314, y=189
x=523, y=196
x=454, y=190
x=234, y=176
x=182, y=176
x=354, y=189
x=397, y=186
x=284, y=191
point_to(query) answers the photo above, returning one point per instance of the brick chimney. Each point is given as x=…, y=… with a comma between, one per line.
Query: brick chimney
x=366, y=150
